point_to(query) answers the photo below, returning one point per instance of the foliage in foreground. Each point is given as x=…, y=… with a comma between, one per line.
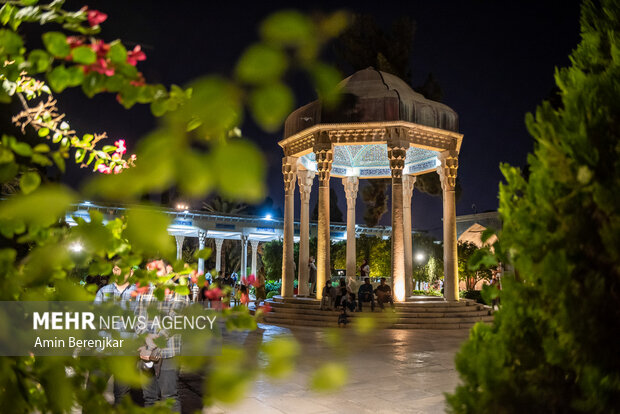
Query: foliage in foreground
x=553, y=347
x=194, y=149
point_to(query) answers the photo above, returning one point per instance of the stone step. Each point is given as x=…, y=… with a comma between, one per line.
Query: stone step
x=367, y=311
x=334, y=324
x=408, y=309
x=397, y=318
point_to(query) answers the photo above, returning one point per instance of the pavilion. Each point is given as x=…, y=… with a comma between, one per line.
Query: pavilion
x=381, y=129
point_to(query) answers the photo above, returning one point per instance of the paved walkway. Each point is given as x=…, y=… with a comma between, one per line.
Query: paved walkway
x=392, y=371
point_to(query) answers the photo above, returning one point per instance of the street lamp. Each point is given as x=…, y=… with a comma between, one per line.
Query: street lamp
x=419, y=257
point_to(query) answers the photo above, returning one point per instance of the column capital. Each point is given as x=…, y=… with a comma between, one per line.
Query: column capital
x=254, y=243
x=324, y=158
x=305, y=179
x=447, y=170
x=219, y=243
x=289, y=171
x=397, y=152
x=202, y=237
x=351, y=185
x=408, y=186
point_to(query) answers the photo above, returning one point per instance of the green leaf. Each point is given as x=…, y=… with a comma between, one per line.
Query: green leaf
x=42, y=208
x=236, y=183
x=75, y=76
x=6, y=155
x=217, y=102
x=271, y=104
x=326, y=79
x=280, y=354
x=8, y=170
x=21, y=148
x=10, y=42
x=117, y=52
x=7, y=11
x=261, y=63
x=59, y=161
x=58, y=78
x=56, y=44
x=147, y=231
x=194, y=176
x=329, y=377
x=39, y=61
x=29, y=182
x=40, y=159
x=203, y=254
x=289, y=28
x=84, y=55
x=41, y=148
x=93, y=84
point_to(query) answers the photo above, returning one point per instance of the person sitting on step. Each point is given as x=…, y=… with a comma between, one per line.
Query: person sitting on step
x=329, y=296
x=384, y=294
x=365, y=294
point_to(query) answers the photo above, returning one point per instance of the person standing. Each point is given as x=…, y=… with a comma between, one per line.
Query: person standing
x=165, y=371
x=120, y=293
x=312, y=275
x=260, y=286
x=365, y=269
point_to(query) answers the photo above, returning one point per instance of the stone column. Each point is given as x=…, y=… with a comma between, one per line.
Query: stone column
x=218, y=255
x=351, y=185
x=202, y=236
x=408, y=183
x=289, y=170
x=305, y=179
x=324, y=158
x=447, y=174
x=179, y=240
x=396, y=153
x=244, y=255
x=254, y=255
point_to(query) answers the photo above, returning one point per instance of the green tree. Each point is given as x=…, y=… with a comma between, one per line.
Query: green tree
x=553, y=345
x=272, y=259
x=374, y=194
x=471, y=275
x=195, y=148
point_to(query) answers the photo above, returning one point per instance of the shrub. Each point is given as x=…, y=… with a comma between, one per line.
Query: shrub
x=553, y=346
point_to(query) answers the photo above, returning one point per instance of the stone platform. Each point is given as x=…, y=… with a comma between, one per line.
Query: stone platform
x=418, y=312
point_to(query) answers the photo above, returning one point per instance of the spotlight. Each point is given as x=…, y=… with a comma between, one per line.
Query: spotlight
x=419, y=257
x=268, y=217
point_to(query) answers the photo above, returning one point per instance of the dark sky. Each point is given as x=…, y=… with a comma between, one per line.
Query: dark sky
x=494, y=61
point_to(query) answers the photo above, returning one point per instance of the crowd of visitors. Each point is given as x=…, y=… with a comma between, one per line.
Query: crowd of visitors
x=159, y=362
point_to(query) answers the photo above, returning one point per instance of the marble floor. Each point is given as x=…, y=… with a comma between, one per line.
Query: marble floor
x=389, y=371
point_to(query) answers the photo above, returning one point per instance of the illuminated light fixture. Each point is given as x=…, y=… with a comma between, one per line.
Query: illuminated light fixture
x=76, y=247
x=419, y=257
x=182, y=207
x=268, y=217
x=87, y=203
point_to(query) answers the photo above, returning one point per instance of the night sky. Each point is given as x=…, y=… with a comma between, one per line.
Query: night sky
x=494, y=61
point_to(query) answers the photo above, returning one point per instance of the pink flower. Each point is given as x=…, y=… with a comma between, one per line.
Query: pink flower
x=120, y=146
x=101, y=48
x=135, y=55
x=104, y=169
x=118, y=169
x=214, y=294
x=95, y=17
x=75, y=41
